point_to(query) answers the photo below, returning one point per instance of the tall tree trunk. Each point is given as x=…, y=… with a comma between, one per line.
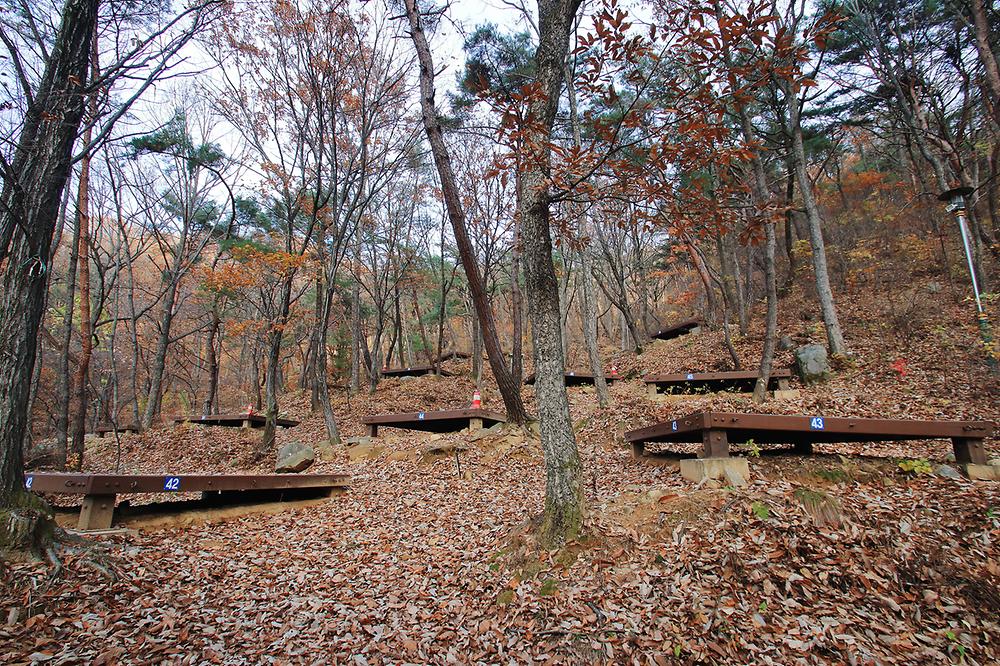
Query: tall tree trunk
x=761, y=195
x=211, y=398
x=32, y=190
x=834, y=336
x=510, y=391
x=589, y=322
x=516, y=308
x=564, y=505
x=587, y=319
x=987, y=57
x=421, y=327
x=64, y=390
x=355, y=384
x=323, y=375
x=155, y=398
x=79, y=420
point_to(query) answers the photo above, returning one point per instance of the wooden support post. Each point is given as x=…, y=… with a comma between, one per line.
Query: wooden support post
x=969, y=450
x=246, y=423
x=715, y=444
x=651, y=391
x=783, y=384
x=371, y=430
x=804, y=447
x=96, y=512
x=475, y=424
x=638, y=449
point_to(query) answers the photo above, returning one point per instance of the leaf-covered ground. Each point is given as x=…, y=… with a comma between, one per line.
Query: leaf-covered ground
x=835, y=558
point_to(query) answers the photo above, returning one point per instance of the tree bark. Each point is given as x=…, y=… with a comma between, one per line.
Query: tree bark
x=211, y=398
x=79, y=416
x=564, y=505
x=834, y=336
x=355, y=385
x=64, y=390
x=510, y=391
x=32, y=189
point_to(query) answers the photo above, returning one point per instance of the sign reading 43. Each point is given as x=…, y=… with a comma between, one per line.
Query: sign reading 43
x=817, y=423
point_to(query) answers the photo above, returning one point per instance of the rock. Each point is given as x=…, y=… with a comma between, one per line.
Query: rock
x=655, y=494
x=785, y=343
x=981, y=472
x=407, y=378
x=494, y=429
x=934, y=287
x=355, y=441
x=363, y=450
x=443, y=448
x=402, y=455
x=949, y=457
x=294, y=457
x=948, y=472
x=995, y=462
x=812, y=363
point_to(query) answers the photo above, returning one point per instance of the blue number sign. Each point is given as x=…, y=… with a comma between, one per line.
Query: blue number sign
x=690, y=376
x=816, y=423
x=673, y=425
x=420, y=416
x=172, y=483
x=28, y=481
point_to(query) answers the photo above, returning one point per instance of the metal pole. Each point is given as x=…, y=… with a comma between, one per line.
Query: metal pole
x=960, y=214
x=956, y=198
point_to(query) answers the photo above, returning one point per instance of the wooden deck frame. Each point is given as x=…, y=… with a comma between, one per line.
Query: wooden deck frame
x=101, y=490
x=692, y=326
x=414, y=371
x=104, y=430
x=445, y=420
x=576, y=378
x=742, y=381
x=717, y=430
x=243, y=420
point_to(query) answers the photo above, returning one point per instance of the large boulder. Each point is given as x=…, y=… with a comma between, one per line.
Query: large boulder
x=812, y=363
x=294, y=457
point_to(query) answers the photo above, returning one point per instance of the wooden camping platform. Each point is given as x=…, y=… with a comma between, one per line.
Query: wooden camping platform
x=690, y=382
x=717, y=430
x=100, y=490
x=243, y=420
x=102, y=431
x=446, y=420
x=576, y=378
x=453, y=355
x=414, y=371
x=678, y=329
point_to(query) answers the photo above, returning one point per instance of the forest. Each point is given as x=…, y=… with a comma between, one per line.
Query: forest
x=346, y=226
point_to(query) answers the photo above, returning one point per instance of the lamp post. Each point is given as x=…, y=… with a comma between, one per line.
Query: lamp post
x=955, y=198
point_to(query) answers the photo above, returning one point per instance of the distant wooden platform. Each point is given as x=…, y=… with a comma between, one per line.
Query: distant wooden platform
x=446, y=420
x=454, y=355
x=717, y=430
x=575, y=378
x=414, y=371
x=102, y=431
x=235, y=420
x=691, y=382
x=101, y=490
x=678, y=329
